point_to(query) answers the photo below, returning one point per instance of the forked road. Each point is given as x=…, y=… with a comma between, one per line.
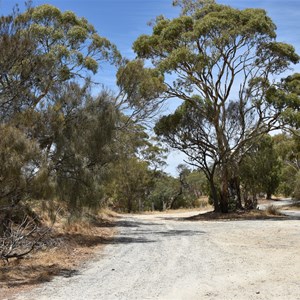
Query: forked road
x=163, y=257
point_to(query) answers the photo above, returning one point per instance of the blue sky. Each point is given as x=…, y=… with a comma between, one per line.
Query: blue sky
x=122, y=21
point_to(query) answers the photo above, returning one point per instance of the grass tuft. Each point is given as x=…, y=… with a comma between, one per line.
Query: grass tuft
x=273, y=210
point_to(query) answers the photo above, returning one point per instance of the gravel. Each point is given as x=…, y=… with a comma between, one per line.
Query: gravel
x=162, y=257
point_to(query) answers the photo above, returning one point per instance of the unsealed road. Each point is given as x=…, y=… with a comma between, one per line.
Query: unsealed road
x=163, y=257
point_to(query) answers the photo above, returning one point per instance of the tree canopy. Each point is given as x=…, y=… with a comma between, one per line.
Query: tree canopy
x=42, y=48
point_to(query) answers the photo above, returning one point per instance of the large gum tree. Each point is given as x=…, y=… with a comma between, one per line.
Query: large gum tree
x=221, y=62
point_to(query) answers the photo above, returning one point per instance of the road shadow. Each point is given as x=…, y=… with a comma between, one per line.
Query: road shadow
x=292, y=217
x=143, y=229
x=128, y=240
x=165, y=233
x=255, y=215
x=168, y=233
x=127, y=223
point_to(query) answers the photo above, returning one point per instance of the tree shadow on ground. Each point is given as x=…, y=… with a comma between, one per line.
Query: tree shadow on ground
x=127, y=223
x=142, y=229
x=180, y=233
x=13, y=275
x=128, y=240
x=166, y=233
x=252, y=215
x=121, y=223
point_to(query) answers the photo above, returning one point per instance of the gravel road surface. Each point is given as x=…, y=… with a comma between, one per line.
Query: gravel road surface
x=163, y=257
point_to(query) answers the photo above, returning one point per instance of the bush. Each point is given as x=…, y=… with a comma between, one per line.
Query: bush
x=296, y=193
x=272, y=210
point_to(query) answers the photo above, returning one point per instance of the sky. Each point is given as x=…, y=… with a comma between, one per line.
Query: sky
x=122, y=21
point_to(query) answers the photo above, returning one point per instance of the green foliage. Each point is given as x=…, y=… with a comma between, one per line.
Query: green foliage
x=140, y=90
x=166, y=189
x=129, y=185
x=61, y=133
x=287, y=180
x=260, y=169
x=193, y=185
x=49, y=47
x=81, y=145
x=213, y=27
x=132, y=168
x=296, y=191
x=140, y=83
x=189, y=7
x=196, y=184
x=286, y=98
x=170, y=124
x=22, y=174
x=182, y=192
x=288, y=149
x=59, y=140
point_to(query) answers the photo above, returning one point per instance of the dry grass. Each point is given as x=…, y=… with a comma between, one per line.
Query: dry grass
x=272, y=210
x=202, y=202
x=67, y=246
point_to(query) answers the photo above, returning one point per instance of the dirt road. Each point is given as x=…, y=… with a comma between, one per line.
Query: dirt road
x=161, y=257
x=283, y=203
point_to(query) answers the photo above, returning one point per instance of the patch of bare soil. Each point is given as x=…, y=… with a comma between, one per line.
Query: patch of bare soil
x=63, y=253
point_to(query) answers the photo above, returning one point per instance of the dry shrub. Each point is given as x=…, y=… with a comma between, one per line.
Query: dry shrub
x=106, y=213
x=71, y=242
x=272, y=210
x=201, y=202
x=79, y=226
x=85, y=221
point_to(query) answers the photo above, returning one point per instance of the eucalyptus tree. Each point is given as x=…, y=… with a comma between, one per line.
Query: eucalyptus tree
x=221, y=61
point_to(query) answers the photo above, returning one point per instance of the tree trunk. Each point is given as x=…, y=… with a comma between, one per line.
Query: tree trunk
x=140, y=205
x=129, y=205
x=214, y=195
x=237, y=189
x=239, y=197
x=269, y=196
x=224, y=191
